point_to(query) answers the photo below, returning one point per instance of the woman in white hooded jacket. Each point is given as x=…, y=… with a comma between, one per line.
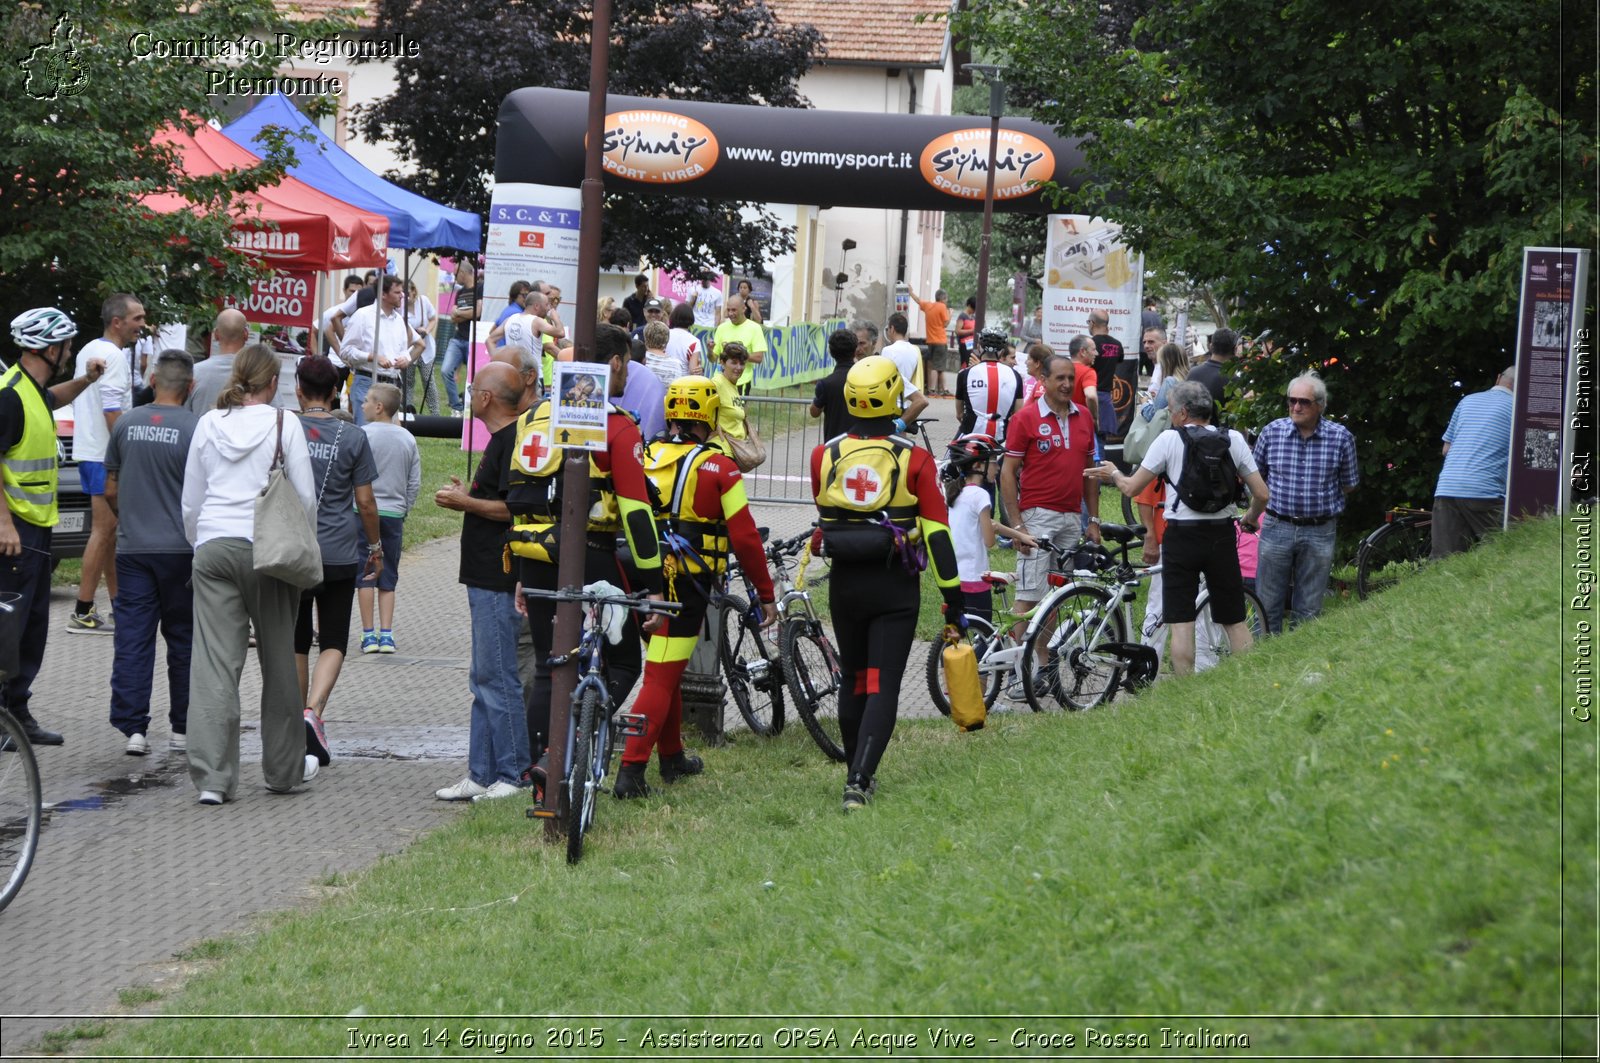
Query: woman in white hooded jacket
x=229, y=459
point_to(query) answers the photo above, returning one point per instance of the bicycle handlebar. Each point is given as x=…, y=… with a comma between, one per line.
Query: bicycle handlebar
x=636, y=601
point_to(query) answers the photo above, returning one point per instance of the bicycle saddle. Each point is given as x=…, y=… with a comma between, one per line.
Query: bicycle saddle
x=1121, y=533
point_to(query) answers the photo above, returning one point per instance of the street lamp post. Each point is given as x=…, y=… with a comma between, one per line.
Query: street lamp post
x=575, y=473
x=997, y=107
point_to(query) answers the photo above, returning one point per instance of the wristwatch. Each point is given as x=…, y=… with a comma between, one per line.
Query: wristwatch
x=1094, y=520
x=374, y=548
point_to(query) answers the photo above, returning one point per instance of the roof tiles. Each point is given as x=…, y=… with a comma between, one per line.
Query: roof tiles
x=879, y=32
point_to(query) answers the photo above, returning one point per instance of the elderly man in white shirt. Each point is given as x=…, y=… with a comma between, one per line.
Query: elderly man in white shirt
x=378, y=344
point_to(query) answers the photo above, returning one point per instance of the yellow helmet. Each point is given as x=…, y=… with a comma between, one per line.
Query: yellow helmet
x=692, y=398
x=873, y=387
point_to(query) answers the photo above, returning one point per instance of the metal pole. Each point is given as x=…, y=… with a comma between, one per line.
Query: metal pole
x=997, y=106
x=575, y=468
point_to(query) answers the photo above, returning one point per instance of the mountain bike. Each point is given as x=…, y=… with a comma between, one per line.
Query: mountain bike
x=21, y=797
x=1077, y=652
x=1393, y=550
x=810, y=663
x=590, y=723
x=749, y=655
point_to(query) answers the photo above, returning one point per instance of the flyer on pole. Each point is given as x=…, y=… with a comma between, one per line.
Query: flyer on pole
x=578, y=397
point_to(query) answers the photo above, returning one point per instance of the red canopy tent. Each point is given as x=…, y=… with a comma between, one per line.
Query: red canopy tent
x=314, y=231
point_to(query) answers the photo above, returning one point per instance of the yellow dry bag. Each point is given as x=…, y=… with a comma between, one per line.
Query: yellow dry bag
x=961, y=680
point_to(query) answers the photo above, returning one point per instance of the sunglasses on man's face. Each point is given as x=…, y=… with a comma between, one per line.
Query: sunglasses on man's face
x=1297, y=401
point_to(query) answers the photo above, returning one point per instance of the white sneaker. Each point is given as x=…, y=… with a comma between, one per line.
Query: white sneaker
x=138, y=745
x=312, y=767
x=178, y=743
x=211, y=797
x=497, y=791
x=465, y=790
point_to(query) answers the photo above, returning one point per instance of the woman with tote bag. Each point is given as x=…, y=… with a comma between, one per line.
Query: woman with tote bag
x=235, y=448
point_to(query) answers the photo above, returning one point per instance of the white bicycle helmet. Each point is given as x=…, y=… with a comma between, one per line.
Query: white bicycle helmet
x=42, y=327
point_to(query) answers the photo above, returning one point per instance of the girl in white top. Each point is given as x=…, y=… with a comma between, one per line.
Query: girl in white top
x=972, y=528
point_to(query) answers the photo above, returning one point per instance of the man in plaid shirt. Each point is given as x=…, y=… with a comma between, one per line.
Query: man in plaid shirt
x=1310, y=465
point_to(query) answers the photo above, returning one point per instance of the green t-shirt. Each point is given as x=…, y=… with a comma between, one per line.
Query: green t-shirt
x=752, y=335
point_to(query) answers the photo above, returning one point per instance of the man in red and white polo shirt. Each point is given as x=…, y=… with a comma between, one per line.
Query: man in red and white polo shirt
x=1049, y=447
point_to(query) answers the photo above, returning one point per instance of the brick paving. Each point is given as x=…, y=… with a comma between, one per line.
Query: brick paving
x=132, y=870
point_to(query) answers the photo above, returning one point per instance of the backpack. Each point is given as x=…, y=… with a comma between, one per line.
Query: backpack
x=1210, y=479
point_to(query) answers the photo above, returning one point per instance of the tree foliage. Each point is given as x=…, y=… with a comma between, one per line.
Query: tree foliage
x=72, y=229
x=1358, y=178
x=442, y=113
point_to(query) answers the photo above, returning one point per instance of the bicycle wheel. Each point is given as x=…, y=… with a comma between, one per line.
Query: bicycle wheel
x=755, y=677
x=982, y=635
x=21, y=802
x=1392, y=552
x=1211, y=639
x=812, y=669
x=1069, y=628
x=581, y=780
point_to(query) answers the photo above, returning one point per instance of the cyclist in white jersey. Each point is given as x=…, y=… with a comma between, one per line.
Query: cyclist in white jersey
x=987, y=394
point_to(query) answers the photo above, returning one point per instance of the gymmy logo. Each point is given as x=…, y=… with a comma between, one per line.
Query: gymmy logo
x=271, y=243
x=341, y=245
x=861, y=484
x=957, y=163
x=54, y=69
x=657, y=147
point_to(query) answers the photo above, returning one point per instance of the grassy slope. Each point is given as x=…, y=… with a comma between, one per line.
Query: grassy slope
x=1360, y=817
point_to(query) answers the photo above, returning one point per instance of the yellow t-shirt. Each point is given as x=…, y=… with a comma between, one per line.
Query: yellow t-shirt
x=730, y=406
x=752, y=335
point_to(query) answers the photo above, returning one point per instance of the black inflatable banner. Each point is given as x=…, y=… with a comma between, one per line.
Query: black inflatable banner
x=783, y=155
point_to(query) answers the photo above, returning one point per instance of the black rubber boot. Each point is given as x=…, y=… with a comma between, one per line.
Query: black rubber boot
x=680, y=764
x=630, y=782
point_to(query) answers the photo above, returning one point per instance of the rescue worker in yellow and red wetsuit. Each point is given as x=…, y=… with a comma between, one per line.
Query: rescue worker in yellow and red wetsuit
x=883, y=518
x=619, y=508
x=701, y=511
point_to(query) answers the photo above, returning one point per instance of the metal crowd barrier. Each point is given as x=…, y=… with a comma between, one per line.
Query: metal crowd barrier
x=790, y=434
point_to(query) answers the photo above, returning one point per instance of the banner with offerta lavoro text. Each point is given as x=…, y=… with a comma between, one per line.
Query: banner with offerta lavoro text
x=1087, y=268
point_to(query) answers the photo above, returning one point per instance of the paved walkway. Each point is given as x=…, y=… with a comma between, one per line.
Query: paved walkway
x=132, y=870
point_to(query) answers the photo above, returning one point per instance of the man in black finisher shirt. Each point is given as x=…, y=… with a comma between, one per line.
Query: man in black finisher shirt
x=497, y=744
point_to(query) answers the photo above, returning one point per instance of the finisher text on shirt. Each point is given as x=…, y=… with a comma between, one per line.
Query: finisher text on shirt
x=153, y=433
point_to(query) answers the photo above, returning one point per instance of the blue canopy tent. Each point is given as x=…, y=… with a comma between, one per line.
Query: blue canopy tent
x=414, y=221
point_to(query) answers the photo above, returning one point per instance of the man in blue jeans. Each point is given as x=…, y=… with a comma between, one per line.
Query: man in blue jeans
x=145, y=462
x=497, y=744
x=1310, y=465
x=468, y=308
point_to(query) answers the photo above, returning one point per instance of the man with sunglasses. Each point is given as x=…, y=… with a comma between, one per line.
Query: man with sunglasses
x=1310, y=465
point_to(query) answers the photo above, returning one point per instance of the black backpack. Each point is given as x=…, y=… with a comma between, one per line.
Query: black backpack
x=1210, y=479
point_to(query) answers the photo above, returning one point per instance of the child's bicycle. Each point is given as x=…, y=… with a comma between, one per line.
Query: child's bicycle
x=589, y=725
x=998, y=643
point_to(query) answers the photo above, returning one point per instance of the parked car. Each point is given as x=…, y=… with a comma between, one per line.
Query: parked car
x=72, y=528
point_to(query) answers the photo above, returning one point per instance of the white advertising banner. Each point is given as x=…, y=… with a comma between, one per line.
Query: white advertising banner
x=578, y=419
x=1087, y=268
x=533, y=235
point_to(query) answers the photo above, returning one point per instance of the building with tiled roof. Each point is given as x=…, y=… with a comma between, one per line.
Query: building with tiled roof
x=882, y=33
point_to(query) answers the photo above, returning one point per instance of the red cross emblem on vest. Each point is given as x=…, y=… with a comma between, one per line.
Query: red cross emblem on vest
x=862, y=484
x=534, y=450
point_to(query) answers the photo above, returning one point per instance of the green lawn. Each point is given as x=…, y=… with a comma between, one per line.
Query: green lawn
x=1361, y=818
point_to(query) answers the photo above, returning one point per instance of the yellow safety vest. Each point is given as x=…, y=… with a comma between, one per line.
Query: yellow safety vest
x=29, y=468
x=674, y=473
